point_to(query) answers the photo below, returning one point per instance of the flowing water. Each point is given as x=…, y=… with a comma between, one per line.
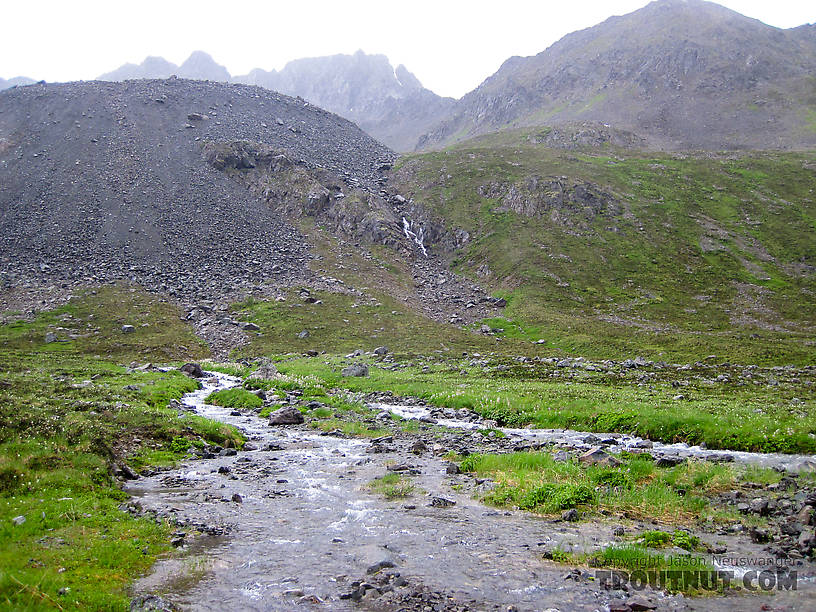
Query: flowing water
x=305, y=526
x=615, y=442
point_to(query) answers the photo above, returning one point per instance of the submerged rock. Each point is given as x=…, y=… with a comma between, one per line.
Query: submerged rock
x=152, y=603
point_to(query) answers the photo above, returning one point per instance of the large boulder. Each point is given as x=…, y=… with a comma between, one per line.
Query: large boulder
x=597, y=456
x=357, y=369
x=192, y=369
x=265, y=370
x=288, y=415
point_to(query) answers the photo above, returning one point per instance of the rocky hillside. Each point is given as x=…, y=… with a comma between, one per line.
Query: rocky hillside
x=109, y=181
x=15, y=82
x=681, y=73
x=389, y=103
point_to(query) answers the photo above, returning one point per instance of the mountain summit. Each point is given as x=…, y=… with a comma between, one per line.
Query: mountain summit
x=200, y=66
x=683, y=73
x=389, y=103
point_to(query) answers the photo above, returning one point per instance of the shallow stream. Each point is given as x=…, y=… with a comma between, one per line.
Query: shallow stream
x=299, y=525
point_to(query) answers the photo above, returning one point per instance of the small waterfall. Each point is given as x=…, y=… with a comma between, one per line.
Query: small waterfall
x=417, y=238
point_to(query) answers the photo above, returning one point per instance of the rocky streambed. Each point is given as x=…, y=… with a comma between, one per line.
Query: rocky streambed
x=290, y=523
x=528, y=439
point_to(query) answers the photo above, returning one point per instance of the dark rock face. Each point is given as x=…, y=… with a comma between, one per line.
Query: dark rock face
x=104, y=181
x=681, y=73
x=351, y=206
x=560, y=198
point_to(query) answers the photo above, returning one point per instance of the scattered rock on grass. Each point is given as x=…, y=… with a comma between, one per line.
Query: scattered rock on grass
x=597, y=456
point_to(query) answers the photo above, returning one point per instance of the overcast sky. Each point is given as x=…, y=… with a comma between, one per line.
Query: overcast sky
x=450, y=45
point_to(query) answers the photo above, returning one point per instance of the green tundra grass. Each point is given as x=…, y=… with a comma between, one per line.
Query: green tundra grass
x=699, y=253
x=69, y=412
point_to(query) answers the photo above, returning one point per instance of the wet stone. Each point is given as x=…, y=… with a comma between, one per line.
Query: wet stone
x=152, y=603
x=288, y=415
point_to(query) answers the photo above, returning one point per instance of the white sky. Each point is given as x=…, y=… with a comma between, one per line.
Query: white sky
x=450, y=45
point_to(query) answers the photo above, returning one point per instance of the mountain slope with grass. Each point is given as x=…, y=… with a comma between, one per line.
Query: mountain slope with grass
x=680, y=73
x=607, y=252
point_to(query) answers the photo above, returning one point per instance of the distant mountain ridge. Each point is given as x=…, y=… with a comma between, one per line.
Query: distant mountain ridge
x=200, y=66
x=387, y=102
x=682, y=73
x=15, y=82
x=676, y=74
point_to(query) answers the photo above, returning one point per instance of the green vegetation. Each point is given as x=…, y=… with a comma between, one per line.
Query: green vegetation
x=660, y=539
x=342, y=323
x=535, y=481
x=684, y=575
x=729, y=416
x=91, y=324
x=609, y=254
x=392, y=486
x=349, y=428
x=234, y=398
x=68, y=415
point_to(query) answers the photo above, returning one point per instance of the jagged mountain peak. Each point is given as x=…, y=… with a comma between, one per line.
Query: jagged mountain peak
x=389, y=103
x=202, y=66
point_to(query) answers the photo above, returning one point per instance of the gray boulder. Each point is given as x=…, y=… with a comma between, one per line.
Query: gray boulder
x=266, y=370
x=597, y=456
x=357, y=369
x=288, y=415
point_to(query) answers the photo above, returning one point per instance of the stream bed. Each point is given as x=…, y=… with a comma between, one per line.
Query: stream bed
x=292, y=525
